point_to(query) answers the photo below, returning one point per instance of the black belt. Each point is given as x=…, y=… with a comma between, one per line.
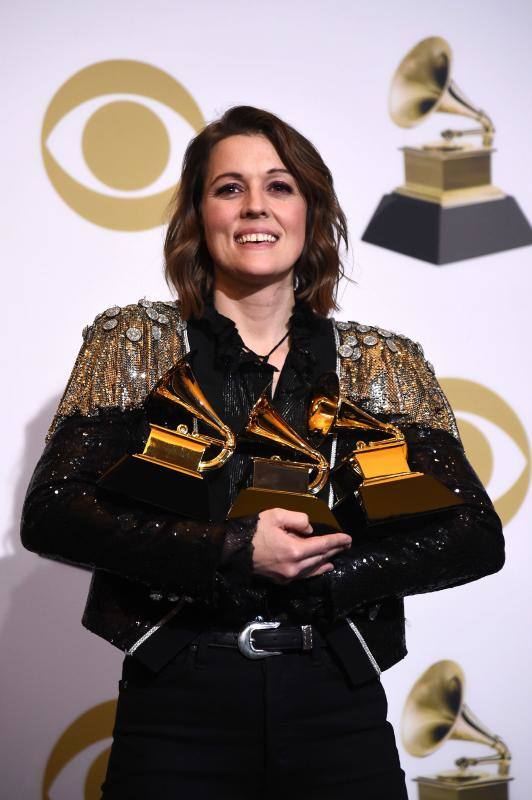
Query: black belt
x=260, y=639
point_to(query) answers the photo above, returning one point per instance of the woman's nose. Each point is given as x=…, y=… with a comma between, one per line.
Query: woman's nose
x=254, y=205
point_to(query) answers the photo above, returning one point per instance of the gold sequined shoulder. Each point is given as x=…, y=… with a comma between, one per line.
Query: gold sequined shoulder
x=387, y=373
x=124, y=353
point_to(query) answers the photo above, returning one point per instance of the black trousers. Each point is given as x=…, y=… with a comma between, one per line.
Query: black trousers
x=213, y=725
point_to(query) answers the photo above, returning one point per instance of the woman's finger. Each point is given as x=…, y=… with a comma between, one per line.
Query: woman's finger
x=321, y=570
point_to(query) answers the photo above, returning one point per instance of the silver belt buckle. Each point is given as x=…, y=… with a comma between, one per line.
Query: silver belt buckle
x=245, y=640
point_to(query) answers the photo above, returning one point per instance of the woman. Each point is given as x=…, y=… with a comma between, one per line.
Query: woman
x=253, y=251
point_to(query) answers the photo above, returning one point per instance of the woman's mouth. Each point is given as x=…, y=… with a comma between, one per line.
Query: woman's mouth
x=256, y=238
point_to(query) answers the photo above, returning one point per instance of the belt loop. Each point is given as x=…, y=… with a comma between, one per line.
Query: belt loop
x=201, y=652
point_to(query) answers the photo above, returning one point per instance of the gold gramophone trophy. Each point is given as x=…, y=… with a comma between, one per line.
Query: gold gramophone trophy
x=279, y=483
x=434, y=713
x=447, y=209
x=376, y=474
x=169, y=472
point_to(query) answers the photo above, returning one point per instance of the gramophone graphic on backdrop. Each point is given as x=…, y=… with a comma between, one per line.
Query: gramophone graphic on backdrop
x=447, y=209
x=434, y=713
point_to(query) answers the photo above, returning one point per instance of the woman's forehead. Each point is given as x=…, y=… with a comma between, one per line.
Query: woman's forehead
x=244, y=153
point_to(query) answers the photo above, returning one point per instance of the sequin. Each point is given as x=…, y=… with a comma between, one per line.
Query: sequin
x=343, y=326
x=86, y=331
x=392, y=346
x=357, y=352
x=430, y=367
x=370, y=340
x=145, y=303
x=114, y=311
x=345, y=350
x=156, y=332
x=152, y=313
x=384, y=332
x=109, y=324
x=134, y=334
x=163, y=319
x=363, y=328
x=351, y=340
x=156, y=596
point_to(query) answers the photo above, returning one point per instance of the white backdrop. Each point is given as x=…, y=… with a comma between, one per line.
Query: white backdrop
x=324, y=67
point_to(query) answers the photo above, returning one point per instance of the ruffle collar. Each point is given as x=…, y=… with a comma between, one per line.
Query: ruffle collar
x=229, y=347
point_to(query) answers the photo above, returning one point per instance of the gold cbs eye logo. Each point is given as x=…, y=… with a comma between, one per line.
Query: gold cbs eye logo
x=90, y=728
x=125, y=144
x=474, y=406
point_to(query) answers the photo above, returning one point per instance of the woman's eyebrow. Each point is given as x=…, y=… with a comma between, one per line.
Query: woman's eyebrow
x=239, y=176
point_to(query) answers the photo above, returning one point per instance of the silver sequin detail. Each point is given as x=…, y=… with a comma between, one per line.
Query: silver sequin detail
x=152, y=313
x=181, y=326
x=109, y=324
x=357, y=352
x=169, y=303
x=392, y=346
x=384, y=332
x=134, y=334
x=351, y=340
x=145, y=303
x=156, y=596
x=163, y=319
x=114, y=311
x=420, y=348
x=345, y=350
x=343, y=326
x=156, y=332
x=363, y=328
x=370, y=340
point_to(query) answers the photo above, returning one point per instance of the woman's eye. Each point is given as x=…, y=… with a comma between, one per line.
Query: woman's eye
x=281, y=186
x=227, y=188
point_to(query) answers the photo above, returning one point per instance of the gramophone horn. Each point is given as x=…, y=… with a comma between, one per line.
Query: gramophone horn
x=265, y=423
x=331, y=412
x=179, y=386
x=422, y=84
x=435, y=711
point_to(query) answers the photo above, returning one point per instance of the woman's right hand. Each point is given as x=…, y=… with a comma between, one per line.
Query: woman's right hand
x=284, y=550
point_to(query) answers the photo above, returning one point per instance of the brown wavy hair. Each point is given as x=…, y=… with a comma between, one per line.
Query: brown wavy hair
x=188, y=264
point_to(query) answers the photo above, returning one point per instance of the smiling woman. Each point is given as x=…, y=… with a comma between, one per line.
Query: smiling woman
x=248, y=173
x=254, y=645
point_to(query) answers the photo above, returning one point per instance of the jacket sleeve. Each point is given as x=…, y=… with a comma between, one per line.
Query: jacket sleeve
x=100, y=418
x=66, y=517
x=422, y=553
x=426, y=552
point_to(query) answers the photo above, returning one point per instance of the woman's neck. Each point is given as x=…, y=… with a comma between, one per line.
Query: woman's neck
x=261, y=316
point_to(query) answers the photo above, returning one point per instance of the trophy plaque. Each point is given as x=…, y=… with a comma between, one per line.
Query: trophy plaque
x=169, y=472
x=434, y=713
x=447, y=209
x=375, y=474
x=281, y=483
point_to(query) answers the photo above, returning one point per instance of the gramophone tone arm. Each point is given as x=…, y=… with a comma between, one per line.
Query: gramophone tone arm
x=487, y=131
x=502, y=760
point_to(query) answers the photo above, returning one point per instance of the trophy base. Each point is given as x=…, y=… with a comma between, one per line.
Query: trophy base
x=183, y=492
x=252, y=501
x=486, y=787
x=442, y=235
x=399, y=496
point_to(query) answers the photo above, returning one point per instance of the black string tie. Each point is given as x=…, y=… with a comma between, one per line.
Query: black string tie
x=265, y=358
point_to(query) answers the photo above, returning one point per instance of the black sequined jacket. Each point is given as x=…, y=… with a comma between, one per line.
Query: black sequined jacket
x=155, y=575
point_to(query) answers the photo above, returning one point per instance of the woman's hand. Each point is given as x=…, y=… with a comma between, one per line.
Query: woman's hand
x=283, y=549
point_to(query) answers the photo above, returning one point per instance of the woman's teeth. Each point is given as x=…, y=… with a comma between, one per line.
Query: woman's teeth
x=256, y=237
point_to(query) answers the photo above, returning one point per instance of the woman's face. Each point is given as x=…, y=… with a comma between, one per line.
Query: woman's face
x=253, y=212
